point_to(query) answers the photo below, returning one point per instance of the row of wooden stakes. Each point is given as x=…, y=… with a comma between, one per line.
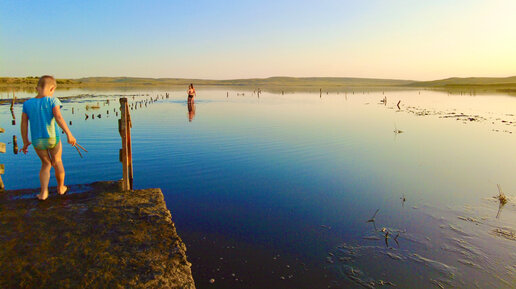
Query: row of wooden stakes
x=2, y=167
x=3, y=145
x=132, y=106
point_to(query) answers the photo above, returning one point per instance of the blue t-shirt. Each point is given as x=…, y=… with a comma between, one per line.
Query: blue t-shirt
x=43, y=125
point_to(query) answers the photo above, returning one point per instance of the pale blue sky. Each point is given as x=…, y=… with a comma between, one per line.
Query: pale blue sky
x=241, y=39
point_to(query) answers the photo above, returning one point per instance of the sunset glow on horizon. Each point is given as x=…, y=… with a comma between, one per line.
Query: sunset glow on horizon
x=417, y=40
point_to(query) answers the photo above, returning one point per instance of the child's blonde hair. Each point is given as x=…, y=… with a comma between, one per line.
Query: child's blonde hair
x=47, y=80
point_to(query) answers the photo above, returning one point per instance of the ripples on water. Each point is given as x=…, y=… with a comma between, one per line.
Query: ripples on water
x=276, y=191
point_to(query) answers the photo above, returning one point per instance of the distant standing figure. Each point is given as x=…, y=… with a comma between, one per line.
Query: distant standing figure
x=44, y=114
x=191, y=92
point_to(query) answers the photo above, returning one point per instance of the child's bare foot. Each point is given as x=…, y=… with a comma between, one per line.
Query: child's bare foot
x=62, y=190
x=42, y=196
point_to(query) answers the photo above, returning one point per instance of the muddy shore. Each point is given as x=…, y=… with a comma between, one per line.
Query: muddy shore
x=95, y=236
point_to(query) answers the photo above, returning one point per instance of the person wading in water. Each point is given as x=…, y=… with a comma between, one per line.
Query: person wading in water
x=191, y=105
x=191, y=93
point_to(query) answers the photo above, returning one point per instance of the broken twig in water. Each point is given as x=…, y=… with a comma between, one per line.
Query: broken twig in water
x=373, y=217
x=372, y=220
x=396, y=130
x=396, y=239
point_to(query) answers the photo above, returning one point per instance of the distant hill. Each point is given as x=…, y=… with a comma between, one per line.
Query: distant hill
x=468, y=82
x=32, y=81
x=271, y=81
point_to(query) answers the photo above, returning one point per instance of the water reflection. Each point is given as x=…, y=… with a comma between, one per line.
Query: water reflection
x=15, y=145
x=191, y=109
x=13, y=117
x=265, y=186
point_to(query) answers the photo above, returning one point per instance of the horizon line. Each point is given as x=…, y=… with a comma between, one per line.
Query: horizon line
x=268, y=77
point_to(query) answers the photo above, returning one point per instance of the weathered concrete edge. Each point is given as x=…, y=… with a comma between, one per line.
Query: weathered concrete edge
x=146, y=206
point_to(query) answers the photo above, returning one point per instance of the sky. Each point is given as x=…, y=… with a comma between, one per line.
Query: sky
x=416, y=40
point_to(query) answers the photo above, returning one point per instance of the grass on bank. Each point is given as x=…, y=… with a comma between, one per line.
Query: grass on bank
x=502, y=84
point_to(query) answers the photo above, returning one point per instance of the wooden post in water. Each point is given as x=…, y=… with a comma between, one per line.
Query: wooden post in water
x=13, y=101
x=12, y=109
x=2, y=168
x=15, y=145
x=126, y=157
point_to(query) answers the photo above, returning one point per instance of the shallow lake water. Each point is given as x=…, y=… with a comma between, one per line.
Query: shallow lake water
x=276, y=191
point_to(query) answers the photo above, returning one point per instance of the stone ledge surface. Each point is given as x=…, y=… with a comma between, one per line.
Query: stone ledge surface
x=95, y=236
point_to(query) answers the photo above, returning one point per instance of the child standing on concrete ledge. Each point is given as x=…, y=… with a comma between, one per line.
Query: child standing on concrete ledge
x=44, y=114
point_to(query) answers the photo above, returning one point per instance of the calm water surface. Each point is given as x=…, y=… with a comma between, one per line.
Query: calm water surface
x=275, y=191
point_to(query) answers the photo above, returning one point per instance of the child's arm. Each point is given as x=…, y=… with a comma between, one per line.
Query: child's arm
x=62, y=124
x=24, y=133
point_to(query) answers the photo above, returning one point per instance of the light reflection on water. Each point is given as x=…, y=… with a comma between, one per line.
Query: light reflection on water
x=300, y=175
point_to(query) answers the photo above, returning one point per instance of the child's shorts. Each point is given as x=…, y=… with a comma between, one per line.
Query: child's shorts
x=45, y=143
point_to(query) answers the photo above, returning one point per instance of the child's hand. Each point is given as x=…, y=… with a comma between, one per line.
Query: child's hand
x=71, y=140
x=25, y=147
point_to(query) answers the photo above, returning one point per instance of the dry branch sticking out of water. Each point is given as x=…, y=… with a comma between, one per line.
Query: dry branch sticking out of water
x=501, y=197
x=465, y=118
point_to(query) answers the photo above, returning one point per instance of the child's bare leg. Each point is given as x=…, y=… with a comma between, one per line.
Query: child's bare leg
x=44, y=173
x=57, y=163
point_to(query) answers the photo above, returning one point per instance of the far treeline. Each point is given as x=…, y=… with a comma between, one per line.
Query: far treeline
x=488, y=83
